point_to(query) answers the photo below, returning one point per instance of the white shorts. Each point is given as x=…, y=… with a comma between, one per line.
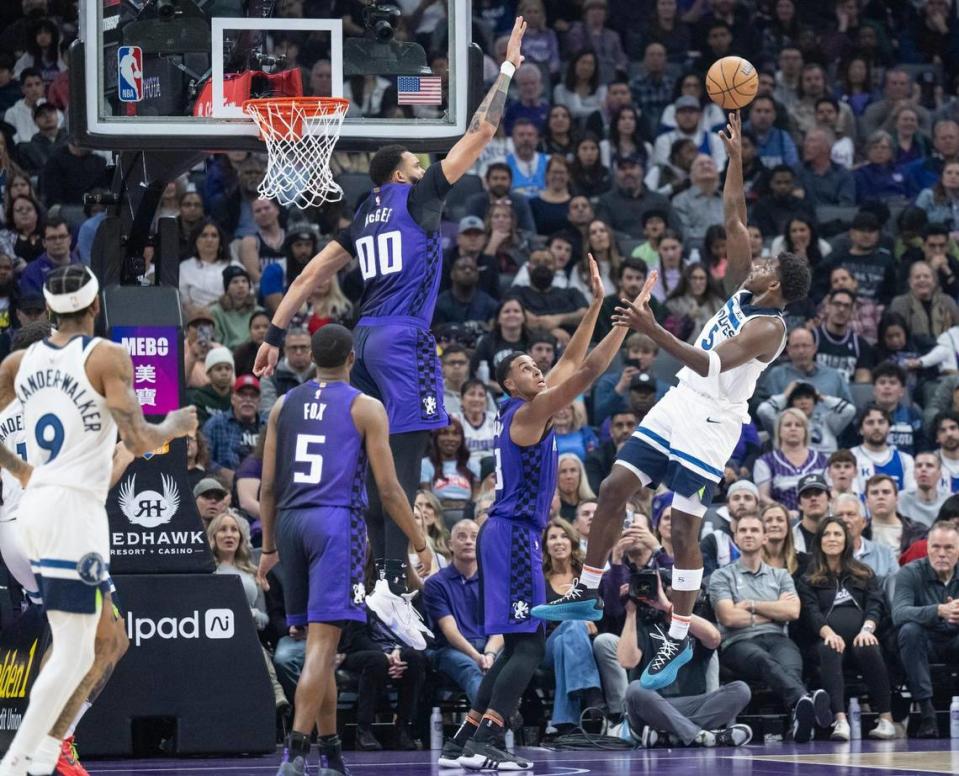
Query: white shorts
x=66, y=535
x=684, y=442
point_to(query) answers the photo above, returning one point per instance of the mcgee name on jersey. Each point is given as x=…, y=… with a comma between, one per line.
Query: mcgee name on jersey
x=379, y=216
x=54, y=378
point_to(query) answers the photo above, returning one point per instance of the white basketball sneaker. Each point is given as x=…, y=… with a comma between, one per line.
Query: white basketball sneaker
x=398, y=614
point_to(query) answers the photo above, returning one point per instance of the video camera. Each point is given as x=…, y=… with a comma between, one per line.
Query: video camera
x=643, y=584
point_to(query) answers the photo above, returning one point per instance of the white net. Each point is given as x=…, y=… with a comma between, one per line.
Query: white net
x=299, y=134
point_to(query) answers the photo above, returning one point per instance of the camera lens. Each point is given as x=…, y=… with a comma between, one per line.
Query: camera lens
x=165, y=8
x=383, y=30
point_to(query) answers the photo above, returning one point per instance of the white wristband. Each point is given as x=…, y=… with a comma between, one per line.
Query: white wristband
x=507, y=69
x=715, y=364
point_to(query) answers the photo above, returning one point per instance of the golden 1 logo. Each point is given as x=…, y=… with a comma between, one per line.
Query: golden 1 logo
x=15, y=671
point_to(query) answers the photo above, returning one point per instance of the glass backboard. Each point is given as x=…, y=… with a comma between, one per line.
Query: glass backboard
x=171, y=74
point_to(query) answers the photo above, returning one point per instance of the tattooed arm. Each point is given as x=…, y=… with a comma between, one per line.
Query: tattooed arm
x=110, y=369
x=467, y=150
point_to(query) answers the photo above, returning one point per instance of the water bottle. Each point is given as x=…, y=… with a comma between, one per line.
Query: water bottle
x=855, y=720
x=954, y=717
x=436, y=729
x=510, y=740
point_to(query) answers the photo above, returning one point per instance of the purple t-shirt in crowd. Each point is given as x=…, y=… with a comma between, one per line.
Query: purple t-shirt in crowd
x=449, y=594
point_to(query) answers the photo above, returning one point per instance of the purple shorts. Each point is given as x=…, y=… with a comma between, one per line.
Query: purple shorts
x=511, y=576
x=396, y=362
x=323, y=553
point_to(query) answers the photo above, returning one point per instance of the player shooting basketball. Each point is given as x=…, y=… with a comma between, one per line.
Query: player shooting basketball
x=686, y=439
x=395, y=236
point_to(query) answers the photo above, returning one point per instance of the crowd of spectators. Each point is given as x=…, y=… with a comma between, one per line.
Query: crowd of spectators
x=833, y=543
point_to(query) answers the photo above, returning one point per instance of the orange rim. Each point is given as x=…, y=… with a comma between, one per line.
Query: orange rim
x=279, y=115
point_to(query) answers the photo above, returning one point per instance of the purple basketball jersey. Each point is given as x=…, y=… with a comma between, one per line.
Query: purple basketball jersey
x=525, y=476
x=399, y=260
x=320, y=455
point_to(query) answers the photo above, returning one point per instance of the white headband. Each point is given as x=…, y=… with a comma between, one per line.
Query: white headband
x=73, y=301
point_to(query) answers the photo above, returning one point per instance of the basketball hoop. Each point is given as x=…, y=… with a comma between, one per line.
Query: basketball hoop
x=299, y=133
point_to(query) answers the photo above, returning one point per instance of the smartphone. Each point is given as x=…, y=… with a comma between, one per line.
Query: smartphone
x=628, y=520
x=204, y=334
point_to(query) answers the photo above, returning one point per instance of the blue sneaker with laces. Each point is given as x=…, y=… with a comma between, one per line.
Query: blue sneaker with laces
x=669, y=658
x=579, y=603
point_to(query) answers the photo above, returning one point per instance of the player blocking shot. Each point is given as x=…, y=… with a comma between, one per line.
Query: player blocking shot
x=319, y=438
x=687, y=438
x=396, y=239
x=509, y=553
x=77, y=394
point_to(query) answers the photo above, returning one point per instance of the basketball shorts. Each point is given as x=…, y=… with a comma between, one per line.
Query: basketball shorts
x=684, y=443
x=510, y=559
x=396, y=362
x=323, y=552
x=66, y=535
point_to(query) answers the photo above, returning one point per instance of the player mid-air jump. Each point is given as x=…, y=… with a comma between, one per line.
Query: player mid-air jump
x=686, y=439
x=395, y=237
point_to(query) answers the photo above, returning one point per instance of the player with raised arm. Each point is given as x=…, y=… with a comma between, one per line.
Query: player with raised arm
x=508, y=550
x=318, y=439
x=77, y=393
x=686, y=439
x=395, y=237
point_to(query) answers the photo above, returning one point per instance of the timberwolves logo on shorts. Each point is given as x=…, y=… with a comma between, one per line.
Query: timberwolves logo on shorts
x=91, y=568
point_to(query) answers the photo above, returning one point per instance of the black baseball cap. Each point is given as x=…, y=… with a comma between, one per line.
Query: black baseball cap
x=812, y=482
x=642, y=382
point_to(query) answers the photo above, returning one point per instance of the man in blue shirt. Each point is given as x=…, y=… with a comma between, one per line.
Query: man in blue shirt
x=802, y=367
x=451, y=596
x=232, y=435
x=57, y=253
x=775, y=146
x=531, y=104
x=889, y=392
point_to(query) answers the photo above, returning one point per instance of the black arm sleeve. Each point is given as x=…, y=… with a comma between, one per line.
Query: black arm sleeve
x=427, y=197
x=344, y=238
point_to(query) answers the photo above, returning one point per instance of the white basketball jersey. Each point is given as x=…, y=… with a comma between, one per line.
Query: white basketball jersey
x=12, y=437
x=69, y=429
x=733, y=388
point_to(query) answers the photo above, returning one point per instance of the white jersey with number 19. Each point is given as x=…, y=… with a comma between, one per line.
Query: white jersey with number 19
x=70, y=433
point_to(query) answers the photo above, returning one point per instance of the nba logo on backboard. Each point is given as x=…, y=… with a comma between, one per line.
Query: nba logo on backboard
x=130, y=73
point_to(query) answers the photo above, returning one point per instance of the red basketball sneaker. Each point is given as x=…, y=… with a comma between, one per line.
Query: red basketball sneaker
x=69, y=762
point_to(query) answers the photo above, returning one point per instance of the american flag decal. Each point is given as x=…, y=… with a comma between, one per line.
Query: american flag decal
x=419, y=90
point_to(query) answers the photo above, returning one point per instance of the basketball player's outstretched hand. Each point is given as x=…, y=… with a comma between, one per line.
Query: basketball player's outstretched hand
x=732, y=137
x=266, y=358
x=636, y=314
x=596, y=281
x=515, y=44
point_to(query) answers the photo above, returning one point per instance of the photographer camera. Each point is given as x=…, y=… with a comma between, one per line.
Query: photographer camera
x=683, y=713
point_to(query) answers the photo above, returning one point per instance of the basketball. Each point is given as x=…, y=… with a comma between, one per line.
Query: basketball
x=732, y=82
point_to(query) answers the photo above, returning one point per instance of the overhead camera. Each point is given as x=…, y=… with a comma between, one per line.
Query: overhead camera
x=379, y=19
x=166, y=9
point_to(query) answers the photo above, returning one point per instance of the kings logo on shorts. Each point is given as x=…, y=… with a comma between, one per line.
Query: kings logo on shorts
x=130, y=74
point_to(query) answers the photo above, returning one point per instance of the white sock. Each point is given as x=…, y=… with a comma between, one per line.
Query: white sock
x=678, y=627
x=76, y=720
x=45, y=758
x=591, y=577
x=75, y=634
